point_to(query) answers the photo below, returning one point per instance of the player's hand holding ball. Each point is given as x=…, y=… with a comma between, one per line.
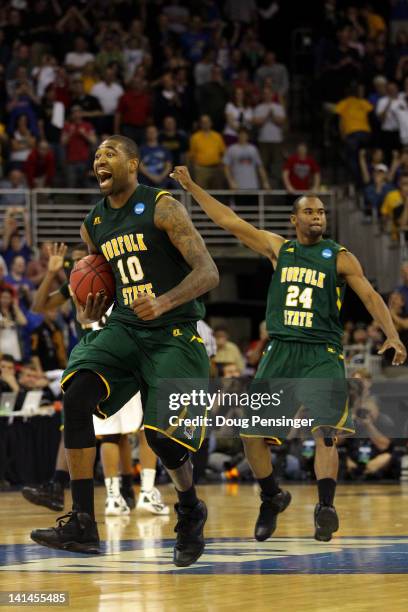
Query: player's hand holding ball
x=182, y=176
x=93, y=310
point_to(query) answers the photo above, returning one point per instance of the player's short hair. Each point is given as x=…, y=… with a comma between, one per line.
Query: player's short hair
x=296, y=203
x=127, y=144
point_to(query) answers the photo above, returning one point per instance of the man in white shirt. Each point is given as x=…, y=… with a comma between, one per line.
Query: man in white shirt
x=243, y=164
x=387, y=112
x=108, y=93
x=76, y=59
x=269, y=117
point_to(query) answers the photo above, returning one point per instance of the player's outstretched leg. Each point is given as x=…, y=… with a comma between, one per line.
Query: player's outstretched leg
x=326, y=469
x=77, y=531
x=274, y=500
x=149, y=499
x=115, y=504
x=191, y=511
x=51, y=494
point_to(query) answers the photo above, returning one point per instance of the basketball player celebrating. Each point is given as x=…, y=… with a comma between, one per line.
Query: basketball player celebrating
x=115, y=445
x=161, y=266
x=304, y=301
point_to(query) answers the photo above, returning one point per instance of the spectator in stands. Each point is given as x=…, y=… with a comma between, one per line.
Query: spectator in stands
x=21, y=283
x=133, y=55
x=22, y=141
x=243, y=165
x=301, y=171
x=375, y=187
x=194, y=40
x=51, y=122
x=203, y=68
x=166, y=100
x=8, y=380
x=47, y=344
x=134, y=110
x=402, y=289
x=355, y=129
x=75, y=60
x=370, y=454
x=177, y=15
x=13, y=244
x=386, y=111
x=238, y=113
x=155, y=160
x=78, y=138
x=12, y=320
x=174, y=140
x=379, y=91
x=23, y=101
x=3, y=274
x=44, y=74
x=15, y=182
x=213, y=97
x=399, y=165
x=398, y=308
x=108, y=92
x=227, y=351
x=38, y=267
x=256, y=348
x=89, y=105
x=109, y=54
x=40, y=166
x=401, y=113
x=206, y=151
x=269, y=118
x=393, y=205
x=275, y=71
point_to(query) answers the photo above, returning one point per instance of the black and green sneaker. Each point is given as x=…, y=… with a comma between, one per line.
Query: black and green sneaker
x=77, y=534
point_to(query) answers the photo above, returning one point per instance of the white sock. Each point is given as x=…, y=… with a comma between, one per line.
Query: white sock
x=113, y=486
x=147, y=478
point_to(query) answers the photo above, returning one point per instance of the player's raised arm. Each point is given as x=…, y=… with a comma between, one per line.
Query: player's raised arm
x=45, y=300
x=350, y=268
x=261, y=241
x=172, y=217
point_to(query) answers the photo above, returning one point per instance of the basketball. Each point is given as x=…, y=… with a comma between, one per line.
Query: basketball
x=90, y=275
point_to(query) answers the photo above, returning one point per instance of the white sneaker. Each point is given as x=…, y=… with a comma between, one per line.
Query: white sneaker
x=116, y=506
x=151, y=501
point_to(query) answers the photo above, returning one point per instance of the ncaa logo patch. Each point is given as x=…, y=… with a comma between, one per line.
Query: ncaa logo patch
x=139, y=208
x=327, y=253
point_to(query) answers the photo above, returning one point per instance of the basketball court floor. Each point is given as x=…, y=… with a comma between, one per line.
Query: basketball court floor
x=365, y=567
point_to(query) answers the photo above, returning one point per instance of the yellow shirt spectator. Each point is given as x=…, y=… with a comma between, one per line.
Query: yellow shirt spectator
x=391, y=201
x=353, y=115
x=206, y=148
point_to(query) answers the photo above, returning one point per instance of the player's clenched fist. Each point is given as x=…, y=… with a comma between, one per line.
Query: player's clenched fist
x=148, y=307
x=182, y=176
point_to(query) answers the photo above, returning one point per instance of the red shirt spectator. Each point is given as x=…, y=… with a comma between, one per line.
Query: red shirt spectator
x=135, y=105
x=40, y=166
x=301, y=172
x=77, y=136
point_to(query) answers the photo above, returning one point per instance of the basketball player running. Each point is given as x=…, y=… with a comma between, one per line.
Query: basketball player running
x=115, y=445
x=304, y=301
x=161, y=266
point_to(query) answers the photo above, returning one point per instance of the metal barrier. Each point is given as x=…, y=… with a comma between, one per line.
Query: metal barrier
x=57, y=214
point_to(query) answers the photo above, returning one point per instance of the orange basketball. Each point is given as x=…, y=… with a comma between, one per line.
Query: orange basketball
x=92, y=274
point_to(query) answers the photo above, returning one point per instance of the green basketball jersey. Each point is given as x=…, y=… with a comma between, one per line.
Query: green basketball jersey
x=306, y=294
x=142, y=257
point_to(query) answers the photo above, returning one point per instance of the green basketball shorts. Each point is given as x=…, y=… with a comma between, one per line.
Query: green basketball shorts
x=129, y=360
x=311, y=376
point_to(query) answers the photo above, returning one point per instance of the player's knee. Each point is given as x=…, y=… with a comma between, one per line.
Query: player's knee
x=81, y=397
x=111, y=438
x=171, y=454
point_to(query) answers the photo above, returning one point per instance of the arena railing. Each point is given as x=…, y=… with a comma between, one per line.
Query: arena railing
x=58, y=213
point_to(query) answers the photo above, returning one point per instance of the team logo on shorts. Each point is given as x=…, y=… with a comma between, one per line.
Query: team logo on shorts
x=139, y=208
x=327, y=253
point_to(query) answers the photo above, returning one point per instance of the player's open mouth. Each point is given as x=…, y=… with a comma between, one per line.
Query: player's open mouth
x=104, y=178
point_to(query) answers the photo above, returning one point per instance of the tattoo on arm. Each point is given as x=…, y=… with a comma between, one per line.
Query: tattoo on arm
x=172, y=217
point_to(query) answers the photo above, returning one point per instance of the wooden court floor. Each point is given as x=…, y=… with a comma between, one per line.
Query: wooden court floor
x=365, y=567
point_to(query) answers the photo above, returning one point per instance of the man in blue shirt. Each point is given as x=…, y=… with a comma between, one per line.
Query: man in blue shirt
x=155, y=161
